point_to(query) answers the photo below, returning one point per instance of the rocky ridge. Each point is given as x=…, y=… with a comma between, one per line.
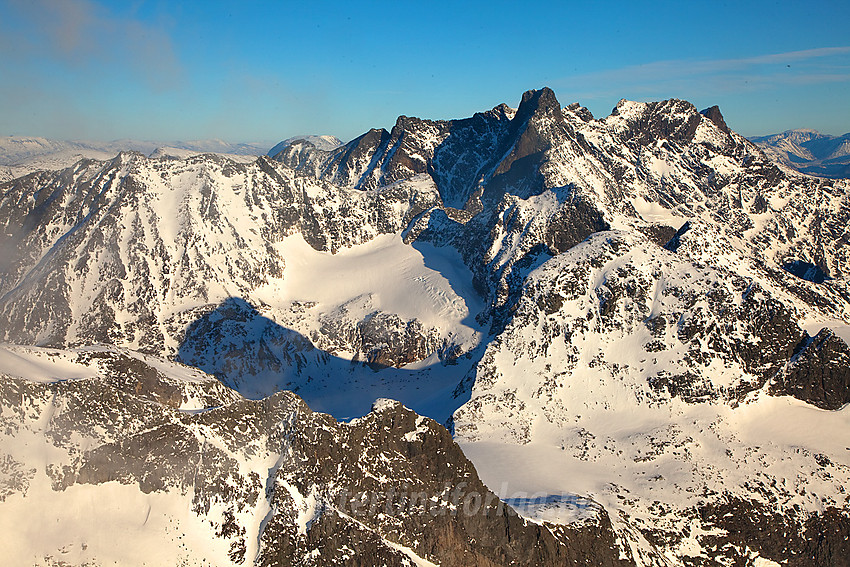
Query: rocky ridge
x=226, y=480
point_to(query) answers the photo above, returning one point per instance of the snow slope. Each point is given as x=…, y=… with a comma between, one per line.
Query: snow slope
x=386, y=275
x=595, y=389
x=40, y=365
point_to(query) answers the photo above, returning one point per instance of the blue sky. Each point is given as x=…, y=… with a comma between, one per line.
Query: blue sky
x=264, y=71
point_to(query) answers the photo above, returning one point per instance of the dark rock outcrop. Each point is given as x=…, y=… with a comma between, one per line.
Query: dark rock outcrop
x=672, y=119
x=818, y=540
x=819, y=373
x=713, y=114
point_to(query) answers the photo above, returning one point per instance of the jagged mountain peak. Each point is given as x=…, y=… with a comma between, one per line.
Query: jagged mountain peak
x=475, y=158
x=647, y=122
x=387, y=404
x=502, y=111
x=671, y=105
x=461, y=156
x=580, y=111
x=713, y=113
x=542, y=102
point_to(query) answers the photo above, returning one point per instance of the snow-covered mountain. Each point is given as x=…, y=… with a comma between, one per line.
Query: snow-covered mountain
x=110, y=457
x=810, y=152
x=325, y=143
x=641, y=312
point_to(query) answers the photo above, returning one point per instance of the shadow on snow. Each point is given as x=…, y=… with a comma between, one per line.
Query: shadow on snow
x=257, y=357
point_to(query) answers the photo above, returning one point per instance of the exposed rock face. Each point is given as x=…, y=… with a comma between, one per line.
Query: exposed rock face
x=271, y=482
x=819, y=373
x=787, y=539
x=713, y=114
x=648, y=123
x=124, y=251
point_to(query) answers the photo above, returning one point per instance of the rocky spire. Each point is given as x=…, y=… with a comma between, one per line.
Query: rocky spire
x=713, y=114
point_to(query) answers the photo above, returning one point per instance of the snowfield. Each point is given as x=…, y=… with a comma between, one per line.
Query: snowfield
x=385, y=274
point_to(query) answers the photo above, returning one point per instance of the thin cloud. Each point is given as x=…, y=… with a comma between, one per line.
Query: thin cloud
x=710, y=76
x=793, y=55
x=83, y=34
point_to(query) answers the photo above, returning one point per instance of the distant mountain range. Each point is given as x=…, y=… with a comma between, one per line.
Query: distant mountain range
x=20, y=155
x=809, y=151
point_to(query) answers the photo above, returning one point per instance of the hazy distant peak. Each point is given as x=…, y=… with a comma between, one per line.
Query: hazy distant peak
x=325, y=143
x=809, y=151
x=20, y=155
